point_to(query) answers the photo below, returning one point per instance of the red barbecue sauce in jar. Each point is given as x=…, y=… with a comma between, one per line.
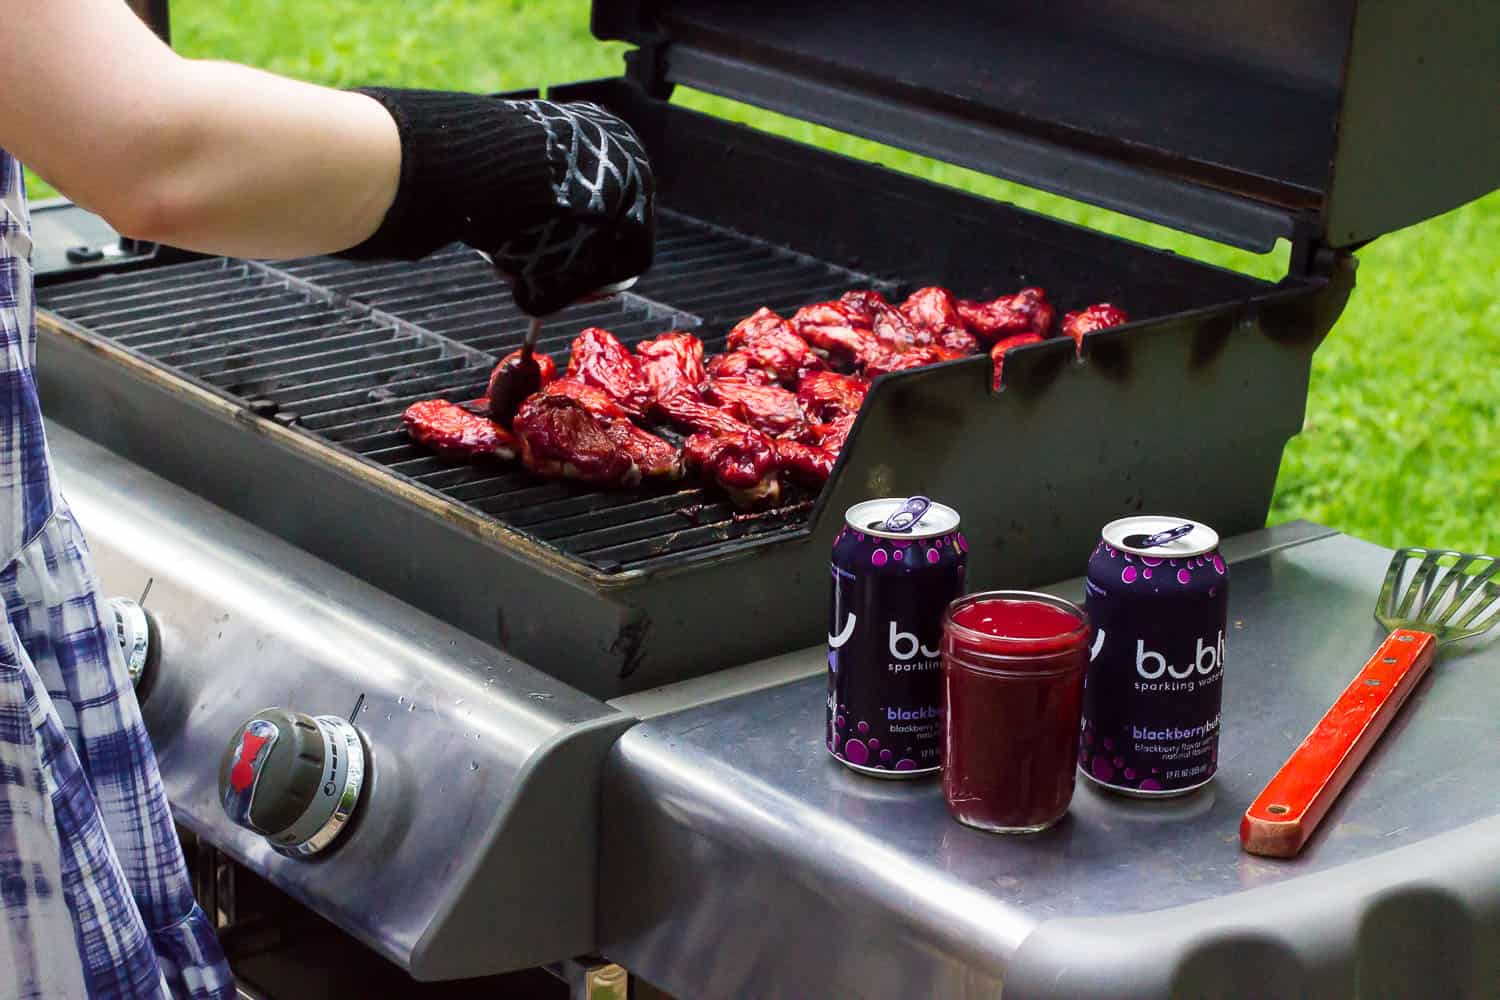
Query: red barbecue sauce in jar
x=1013, y=668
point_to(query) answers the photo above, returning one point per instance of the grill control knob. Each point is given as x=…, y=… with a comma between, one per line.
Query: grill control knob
x=294, y=779
x=136, y=632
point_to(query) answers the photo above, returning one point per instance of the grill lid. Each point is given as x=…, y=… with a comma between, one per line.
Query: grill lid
x=1333, y=122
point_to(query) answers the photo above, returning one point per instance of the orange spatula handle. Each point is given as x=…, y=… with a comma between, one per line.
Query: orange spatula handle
x=1290, y=808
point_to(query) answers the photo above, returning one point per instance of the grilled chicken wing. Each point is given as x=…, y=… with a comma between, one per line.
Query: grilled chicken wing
x=836, y=330
x=827, y=395
x=743, y=463
x=738, y=366
x=672, y=365
x=934, y=311
x=763, y=347
x=917, y=357
x=560, y=438
x=830, y=436
x=1001, y=347
x=864, y=306
x=599, y=360
x=1100, y=316
x=453, y=432
x=577, y=431
x=1027, y=311
x=805, y=463
x=768, y=408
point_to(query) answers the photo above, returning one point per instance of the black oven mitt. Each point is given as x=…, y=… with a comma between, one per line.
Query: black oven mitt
x=560, y=196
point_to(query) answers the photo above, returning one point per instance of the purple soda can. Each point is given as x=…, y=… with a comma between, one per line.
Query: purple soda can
x=1157, y=594
x=897, y=564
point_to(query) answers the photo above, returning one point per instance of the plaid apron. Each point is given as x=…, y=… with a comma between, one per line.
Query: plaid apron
x=94, y=895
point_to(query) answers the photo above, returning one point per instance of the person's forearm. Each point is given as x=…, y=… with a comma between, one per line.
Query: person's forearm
x=262, y=166
x=206, y=156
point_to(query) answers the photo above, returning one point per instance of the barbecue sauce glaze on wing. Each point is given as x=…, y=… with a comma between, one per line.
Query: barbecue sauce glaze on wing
x=764, y=348
x=771, y=406
x=603, y=362
x=827, y=395
x=455, y=433
x=1100, y=316
x=560, y=438
x=1004, y=346
x=672, y=365
x=1027, y=311
x=805, y=463
x=546, y=437
x=768, y=408
x=742, y=463
x=934, y=312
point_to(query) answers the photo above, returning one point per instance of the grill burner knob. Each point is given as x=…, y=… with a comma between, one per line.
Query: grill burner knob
x=136, y=632
x=294, y=779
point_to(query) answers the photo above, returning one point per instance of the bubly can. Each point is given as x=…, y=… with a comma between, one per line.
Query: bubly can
x=1158, y=596
x=896, y=566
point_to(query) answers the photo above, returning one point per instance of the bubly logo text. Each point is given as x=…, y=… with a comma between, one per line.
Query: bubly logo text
x=905, y=645
x=1151, y=665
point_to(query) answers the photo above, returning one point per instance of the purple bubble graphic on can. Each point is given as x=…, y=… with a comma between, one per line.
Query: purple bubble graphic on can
x=1157, y=593
x=896, y=566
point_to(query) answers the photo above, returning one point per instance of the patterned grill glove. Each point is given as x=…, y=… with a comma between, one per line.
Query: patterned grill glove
x=560, y=196
x=604, y=230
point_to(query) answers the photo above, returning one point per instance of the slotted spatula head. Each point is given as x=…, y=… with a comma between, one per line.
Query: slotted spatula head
x=1453, y=595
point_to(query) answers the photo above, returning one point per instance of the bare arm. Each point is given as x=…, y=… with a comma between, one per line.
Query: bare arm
x=207, y=156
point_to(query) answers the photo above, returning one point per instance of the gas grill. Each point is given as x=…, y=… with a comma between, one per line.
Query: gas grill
x=654, y=582
x=273, y=391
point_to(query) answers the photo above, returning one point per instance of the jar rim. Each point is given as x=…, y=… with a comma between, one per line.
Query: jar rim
x=1017, y=644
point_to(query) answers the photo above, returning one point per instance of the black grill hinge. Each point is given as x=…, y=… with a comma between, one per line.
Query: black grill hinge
x=1310, y=256
x=647, y=67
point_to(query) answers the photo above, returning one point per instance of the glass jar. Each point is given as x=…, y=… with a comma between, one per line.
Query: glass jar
x=1013, y=668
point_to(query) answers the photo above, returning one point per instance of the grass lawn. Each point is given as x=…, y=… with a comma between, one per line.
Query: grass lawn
x=1402, y=443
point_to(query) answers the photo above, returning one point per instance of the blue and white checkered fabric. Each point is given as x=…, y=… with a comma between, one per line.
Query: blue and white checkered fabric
x=94, y=895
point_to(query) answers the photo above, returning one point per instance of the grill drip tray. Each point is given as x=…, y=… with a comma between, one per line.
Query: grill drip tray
x=340, y=349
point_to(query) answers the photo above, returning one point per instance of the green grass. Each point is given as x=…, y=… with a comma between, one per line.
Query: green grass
x=1402, y=443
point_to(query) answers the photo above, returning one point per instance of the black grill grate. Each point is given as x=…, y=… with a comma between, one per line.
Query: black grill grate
x=341, y=349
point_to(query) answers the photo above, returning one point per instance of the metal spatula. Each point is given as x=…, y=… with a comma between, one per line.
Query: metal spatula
x=1430, y=597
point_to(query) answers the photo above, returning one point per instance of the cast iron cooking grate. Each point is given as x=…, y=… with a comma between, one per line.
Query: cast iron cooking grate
x=340, y=349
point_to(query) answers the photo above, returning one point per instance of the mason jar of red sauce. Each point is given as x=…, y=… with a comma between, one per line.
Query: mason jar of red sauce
x=1013, y=668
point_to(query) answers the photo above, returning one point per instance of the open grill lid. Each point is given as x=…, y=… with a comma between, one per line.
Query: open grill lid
x=1324, y=122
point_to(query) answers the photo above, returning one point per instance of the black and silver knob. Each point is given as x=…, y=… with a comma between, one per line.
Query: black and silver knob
x=293, y=778
x=136, y=632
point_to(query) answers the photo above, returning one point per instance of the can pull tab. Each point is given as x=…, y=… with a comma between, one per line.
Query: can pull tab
x=905, y=518
x=1160, y=538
